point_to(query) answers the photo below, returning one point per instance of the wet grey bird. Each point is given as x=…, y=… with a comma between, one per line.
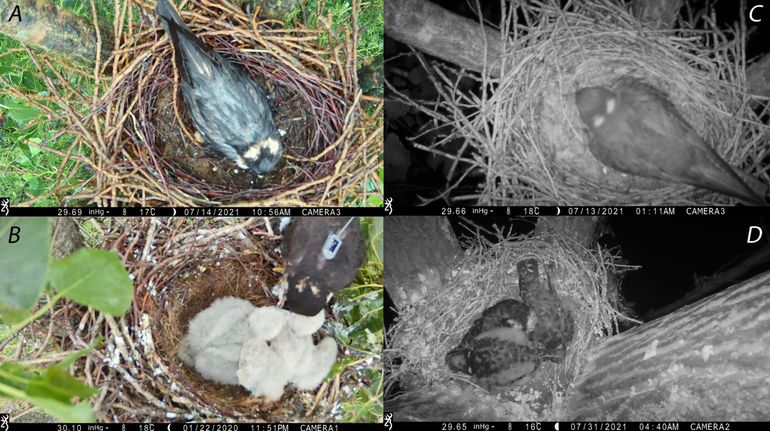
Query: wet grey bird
x=634, y=128
x=322, y=255
x=227, y=106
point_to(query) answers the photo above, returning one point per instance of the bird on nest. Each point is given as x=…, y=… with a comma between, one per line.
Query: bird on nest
x=509, y=340
x=230, y=111
x=634, y=128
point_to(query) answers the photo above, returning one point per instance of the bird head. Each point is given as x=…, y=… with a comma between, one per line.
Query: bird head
x=457, y=360
x=594, y=105
x=323, y=255
x=307, y=295
x=263, y=156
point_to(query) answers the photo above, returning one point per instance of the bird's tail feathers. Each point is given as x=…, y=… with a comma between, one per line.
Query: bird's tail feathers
x=731, y=185
x=169, y=14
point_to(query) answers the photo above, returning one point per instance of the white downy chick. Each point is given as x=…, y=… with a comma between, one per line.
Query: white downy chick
x=261, y=370
x=281, y=351
x=306, y=325
x=307, y=363
x=322, y=358
x=266, y=323
x=214, y=338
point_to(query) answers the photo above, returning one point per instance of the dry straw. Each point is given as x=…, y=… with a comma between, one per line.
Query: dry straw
x=115, y=135
x=522, y=132
x=484, y=275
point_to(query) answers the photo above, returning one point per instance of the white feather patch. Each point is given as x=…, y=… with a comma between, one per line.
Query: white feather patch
x=270, y=144
x=609, y=105
x=240, y=162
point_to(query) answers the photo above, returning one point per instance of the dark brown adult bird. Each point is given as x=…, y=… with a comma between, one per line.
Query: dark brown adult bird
x=634, y=128
x=322, y=255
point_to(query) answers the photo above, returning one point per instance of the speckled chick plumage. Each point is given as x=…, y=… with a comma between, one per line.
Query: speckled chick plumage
x=227, y=106
x=496, y=350
x=634, y=128
x=511, y=338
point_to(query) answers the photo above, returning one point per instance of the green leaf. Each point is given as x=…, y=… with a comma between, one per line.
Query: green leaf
x=341, y=365
x=66, y=412
x=21, y=113
x=23, y=264
x=56, y=383
x=376, y=235
x=374, y=201
x=52, y=390
x=93, y=277
x=14, y=377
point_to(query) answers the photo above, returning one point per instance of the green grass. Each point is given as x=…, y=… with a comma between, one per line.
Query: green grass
x=370, y=22
x=26, y=171
x=361, y=307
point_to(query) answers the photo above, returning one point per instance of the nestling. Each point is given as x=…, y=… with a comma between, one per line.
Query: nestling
x=633, y=127
x=212, y=345
x=229, y=109
x=281, y=352
x=510, y=339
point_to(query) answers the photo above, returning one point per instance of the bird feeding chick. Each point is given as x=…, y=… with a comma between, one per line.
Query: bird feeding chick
x=634, y=128
x=261, y=348
x=230, y=111
x=322, y=256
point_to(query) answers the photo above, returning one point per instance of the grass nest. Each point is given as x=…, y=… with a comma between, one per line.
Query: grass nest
x=419, y=386
x=522, y=132
x=137, y=139
x=179, y=267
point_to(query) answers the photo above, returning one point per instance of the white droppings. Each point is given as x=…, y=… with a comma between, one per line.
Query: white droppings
x=707, y=351
x=651, y=350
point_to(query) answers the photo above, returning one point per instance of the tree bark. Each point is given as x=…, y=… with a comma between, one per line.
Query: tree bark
x=709, y=361
x=438, y=32
x=423, y=25
x=54, y=30
x=419, y=252
x=660, y=14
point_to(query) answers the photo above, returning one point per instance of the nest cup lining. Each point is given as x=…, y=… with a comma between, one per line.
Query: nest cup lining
x=194, y=292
